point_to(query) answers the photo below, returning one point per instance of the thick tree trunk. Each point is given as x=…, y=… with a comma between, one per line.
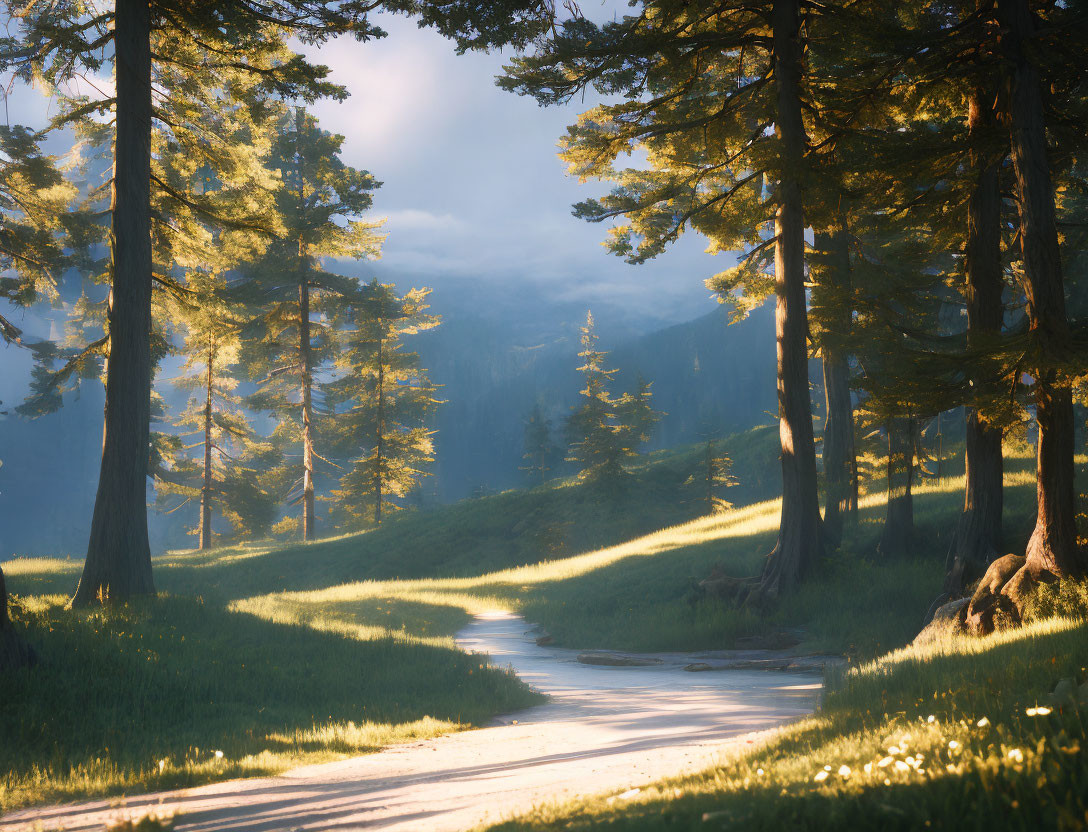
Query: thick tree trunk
x=978, y=531
x=309, y=520
x=838, y=435
x=1053, y=546
x=206, y=490
x=799, y=536
x=898, y=534
x=118, y=564
x=14, y=652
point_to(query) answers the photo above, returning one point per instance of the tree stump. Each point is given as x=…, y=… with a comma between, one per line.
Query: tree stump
x=14, y=652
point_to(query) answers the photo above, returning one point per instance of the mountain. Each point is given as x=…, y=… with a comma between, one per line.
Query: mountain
x=709, y=377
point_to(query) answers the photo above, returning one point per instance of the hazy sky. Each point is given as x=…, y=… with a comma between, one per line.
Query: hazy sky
x=473, y=188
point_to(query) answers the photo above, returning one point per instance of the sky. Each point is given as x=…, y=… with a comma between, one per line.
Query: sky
x=475, y=196
x=473, y=188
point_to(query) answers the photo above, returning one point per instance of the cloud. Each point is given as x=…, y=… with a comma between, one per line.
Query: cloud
x=416, y=219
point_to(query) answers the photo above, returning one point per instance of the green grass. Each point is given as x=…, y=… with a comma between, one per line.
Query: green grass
x=941, y=736
x=144, y=696
x=635, y=594
x=280, y=655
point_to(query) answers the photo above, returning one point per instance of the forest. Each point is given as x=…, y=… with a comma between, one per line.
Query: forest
x=870, y=463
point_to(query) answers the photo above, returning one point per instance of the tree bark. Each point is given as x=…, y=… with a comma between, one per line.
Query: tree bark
x=206, y=490
x=379, y=445
x=305, y=351
x=14, y=652
x=838, y=435
x=1053, y=548
x=799, y=536
x=978, y=530
x=898, y=534
x=309, y=520
x=118, y=564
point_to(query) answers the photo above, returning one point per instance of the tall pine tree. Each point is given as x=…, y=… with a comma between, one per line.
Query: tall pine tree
x=294, y=302
x=715, y=95
x=385, y=399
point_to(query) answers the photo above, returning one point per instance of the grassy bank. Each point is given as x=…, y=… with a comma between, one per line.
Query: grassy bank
x=637, y=594
x=944, y=736
x=174, y=692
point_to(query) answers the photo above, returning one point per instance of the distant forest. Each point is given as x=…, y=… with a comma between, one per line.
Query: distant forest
x=707, y=378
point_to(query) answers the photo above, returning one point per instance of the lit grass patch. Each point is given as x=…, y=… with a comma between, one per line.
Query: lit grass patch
x=174, y=692
x=951, y=735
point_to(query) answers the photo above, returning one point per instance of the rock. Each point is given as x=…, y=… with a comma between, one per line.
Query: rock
x=938, y=602
x=947, y=618
x=1064, y=694
x=1019, y=589
x=815, y=664
x=698, y=667
x=988, y=605
x=759, y=664
x=544, y=640
x=774, y=641
x=998, y=574
x=617, y=660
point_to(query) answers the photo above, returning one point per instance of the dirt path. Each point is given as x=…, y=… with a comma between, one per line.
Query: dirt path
x=606, y=729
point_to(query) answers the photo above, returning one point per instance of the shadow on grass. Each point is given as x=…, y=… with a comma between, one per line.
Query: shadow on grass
x=901, y=745
x=176, y=680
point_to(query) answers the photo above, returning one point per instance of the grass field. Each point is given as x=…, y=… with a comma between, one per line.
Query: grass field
x=281, y=655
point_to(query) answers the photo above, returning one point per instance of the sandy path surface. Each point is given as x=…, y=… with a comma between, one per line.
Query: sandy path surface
x=605, y=729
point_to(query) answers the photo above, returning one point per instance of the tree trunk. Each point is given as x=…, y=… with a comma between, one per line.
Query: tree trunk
x=978, y=531
x=379, y=447
x=309, y=520
x=838, y=436
x=206, y=490
x=898, y=533
x=1053, y=546
x=15, y=653
x=799, y=536
x=118, y=564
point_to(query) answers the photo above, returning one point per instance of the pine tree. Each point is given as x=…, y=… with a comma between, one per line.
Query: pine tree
x=538, y=447
x=293, y=301
x=599, y=441
x=832, y=316
x=897, y=535
x=1052, y=549
x=977, y=538
x=388, y=398
x=225, y=475
x=712, y=477
x=35, y=223
x=636, y=414
x=700, y=88
x=1007, y=67
x=144, y=43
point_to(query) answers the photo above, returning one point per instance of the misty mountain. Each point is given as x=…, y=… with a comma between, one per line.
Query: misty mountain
x=493, y=366
x=708, y=377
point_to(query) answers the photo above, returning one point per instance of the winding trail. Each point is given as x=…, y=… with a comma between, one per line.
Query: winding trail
x=605, y=729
